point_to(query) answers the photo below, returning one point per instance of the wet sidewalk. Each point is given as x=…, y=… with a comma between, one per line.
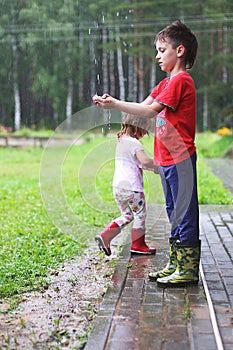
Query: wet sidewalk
x=137, y=315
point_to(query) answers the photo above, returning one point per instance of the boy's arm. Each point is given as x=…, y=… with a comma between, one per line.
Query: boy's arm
x=144, y=109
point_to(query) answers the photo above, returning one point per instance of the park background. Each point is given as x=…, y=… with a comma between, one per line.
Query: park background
x=56, y=55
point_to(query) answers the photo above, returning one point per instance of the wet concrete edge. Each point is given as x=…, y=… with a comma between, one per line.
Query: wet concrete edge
x=98, y=336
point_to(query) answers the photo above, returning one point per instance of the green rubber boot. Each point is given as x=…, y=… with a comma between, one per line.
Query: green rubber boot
x=171, y=265
x=187, y=270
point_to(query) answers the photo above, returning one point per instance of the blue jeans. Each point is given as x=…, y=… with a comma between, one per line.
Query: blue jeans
x=179, y=183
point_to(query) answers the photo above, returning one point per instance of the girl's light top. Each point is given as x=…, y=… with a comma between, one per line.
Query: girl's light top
x=128, y=170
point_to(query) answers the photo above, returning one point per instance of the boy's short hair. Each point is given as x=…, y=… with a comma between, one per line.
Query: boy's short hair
x=180, y=34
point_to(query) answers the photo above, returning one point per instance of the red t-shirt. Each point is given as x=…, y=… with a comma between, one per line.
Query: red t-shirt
x=176, y=123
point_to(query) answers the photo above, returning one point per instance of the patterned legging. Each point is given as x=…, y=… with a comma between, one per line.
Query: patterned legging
x=132, y=206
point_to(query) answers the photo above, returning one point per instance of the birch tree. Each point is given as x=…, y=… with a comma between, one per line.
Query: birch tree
x=17, y=109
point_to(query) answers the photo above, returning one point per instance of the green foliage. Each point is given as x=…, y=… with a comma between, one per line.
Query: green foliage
x=212, y=145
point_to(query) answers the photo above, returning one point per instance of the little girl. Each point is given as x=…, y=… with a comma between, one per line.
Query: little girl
x=128, y=187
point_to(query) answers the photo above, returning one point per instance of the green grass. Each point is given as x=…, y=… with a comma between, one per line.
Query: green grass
x=210, y=187
x=37, y=234
x=30, y=132
x=212, y=145
x=30, y=243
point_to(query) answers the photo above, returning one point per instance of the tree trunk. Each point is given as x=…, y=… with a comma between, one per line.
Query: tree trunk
x=111, y=68
x=225, y=53
x=92, y=67
x=80, y=73
x=69, y=99
x=141, y=77
x=120, y=65
x=105, y=78
x=132, y=80
x=205, y=111
x=69, y=103
x=153, y=75
x=17, y=115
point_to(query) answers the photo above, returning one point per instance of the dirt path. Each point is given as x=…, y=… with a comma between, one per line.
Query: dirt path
x=61, y=316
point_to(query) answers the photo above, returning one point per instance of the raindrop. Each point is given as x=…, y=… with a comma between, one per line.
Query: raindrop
x=109, y=120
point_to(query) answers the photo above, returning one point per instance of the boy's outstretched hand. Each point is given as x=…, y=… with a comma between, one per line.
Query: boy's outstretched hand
x=105, y=101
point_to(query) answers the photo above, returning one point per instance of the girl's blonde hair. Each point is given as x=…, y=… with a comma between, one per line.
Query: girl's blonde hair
x=134, y=126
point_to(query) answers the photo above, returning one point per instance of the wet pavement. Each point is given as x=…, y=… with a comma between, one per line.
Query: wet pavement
x=136, y=314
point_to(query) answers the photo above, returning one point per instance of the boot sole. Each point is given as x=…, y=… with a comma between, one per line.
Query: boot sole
x=153, y=279
x=176, y=285
x=144, y=253
x=102, y=246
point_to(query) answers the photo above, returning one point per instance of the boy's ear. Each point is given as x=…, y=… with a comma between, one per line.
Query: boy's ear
x=180, y=50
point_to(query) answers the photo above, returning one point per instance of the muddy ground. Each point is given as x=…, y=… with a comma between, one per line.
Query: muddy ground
x=61, y=316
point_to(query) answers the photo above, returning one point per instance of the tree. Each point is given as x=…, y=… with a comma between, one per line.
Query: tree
x=56, y=55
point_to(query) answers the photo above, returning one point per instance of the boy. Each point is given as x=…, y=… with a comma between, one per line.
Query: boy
x=173, y=104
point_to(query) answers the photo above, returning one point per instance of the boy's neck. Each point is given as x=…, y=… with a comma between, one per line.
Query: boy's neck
x=172, y=74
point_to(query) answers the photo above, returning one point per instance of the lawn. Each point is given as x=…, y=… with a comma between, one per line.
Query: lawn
x=54, y=201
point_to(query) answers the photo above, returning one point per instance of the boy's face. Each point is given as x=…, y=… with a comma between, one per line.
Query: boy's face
x=167, y=56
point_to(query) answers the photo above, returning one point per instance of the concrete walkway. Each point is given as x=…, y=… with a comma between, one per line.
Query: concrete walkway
x=136, y=314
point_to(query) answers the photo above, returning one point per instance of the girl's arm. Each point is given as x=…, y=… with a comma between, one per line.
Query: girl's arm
x=146, y=162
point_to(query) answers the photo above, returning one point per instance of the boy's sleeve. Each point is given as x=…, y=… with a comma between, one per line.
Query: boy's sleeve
x=170, y=96
x=154, y=92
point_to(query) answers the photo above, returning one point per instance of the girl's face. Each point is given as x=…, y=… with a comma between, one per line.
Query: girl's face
x=166, y=56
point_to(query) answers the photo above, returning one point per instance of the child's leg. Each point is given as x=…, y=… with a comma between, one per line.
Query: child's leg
x=180, y=190
x=114, y=228
x=185, y=215
x=105, y=237
x=170, y=194
x=137, y=204
x=123, y=198
x=189, y=221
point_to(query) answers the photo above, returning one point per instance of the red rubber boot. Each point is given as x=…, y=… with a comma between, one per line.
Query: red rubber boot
x=139, y=245
x=105, y=237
